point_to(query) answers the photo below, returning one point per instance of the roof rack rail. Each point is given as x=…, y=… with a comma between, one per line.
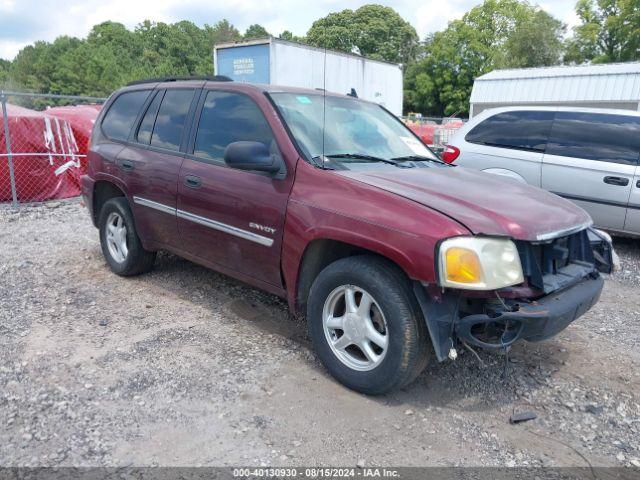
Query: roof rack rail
x=211, y=78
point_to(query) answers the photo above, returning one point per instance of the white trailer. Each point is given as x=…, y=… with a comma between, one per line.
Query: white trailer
x=281, y=62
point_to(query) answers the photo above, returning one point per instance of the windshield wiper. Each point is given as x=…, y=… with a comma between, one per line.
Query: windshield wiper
x=360, y=156
x=418, y=158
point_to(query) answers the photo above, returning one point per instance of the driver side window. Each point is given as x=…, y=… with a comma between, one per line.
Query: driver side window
x=229, y=117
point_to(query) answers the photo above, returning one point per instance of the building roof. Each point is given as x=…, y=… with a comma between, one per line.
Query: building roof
x=593, y=83
x=270, y=40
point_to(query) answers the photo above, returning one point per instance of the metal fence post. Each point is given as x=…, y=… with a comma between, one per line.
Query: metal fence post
x=7, y=140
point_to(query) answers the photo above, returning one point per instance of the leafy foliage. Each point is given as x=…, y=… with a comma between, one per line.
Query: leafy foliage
x=255, y=31
x=112, y=56
x=495, y=34
x=287, y=35
x=5, y=65
x=376, y=31
x=609, y=31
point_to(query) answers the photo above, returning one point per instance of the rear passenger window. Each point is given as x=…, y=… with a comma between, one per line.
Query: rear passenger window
x=226, y=118
x=526, y=130
x=596, y=136
x=171, y=118
x=149, y=119
x=122, y=114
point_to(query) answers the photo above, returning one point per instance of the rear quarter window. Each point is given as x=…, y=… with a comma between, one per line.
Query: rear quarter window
x=171, y=118
x=596, y=136
x=122, y=114
x=524, y=130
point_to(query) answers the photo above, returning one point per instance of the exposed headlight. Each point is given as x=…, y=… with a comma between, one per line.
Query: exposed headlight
x=477, y=263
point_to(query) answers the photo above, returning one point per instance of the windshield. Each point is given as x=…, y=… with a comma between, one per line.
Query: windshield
x=352, y=127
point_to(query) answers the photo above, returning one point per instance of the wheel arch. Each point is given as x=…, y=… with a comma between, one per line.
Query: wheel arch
x=321, y=252
x=103, y=190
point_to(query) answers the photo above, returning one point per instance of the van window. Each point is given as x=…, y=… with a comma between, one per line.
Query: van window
x=122, y=114
x=172, y=115
x=596, y=136
x=525, y=130
x=149, y=119
x=226, y=118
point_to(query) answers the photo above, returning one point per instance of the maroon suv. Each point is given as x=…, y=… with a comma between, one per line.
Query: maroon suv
x=332, y=203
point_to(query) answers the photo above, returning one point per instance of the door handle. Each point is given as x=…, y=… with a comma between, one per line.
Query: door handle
x=192, y=181
x=127, y=165
x=618, y=181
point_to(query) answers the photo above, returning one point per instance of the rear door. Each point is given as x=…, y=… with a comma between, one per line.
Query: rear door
x=233, y=218
x=509, y=143
x=591, y=159
x=632, y=222
x=152, y=161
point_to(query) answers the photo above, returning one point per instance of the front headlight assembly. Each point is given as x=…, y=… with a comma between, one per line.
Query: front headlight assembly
x=479, y=263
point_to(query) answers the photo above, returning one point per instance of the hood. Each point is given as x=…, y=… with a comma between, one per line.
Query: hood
x=484, y=203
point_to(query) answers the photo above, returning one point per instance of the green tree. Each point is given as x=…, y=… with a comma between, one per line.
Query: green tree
x=535, y=42
x=495, y=34
x=256, y=31
x=112, y=56
x=5, y=65
x=376, y=31
x=109, y=58
x=609, y=31
x=38, y=67
x=173, y=49
x=287, y=35
x=222, y=32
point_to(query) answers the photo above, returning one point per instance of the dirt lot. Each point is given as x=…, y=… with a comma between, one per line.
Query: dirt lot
x=186, y=367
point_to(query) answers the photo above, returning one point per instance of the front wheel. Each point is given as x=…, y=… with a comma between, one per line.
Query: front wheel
x=366, y=325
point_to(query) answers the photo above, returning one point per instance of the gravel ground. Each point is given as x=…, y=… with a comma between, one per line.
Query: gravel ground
x=184, y=366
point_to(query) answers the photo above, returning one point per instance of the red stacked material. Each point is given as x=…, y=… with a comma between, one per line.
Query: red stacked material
x=48, y=152
x=434, y=134
x=424, y=130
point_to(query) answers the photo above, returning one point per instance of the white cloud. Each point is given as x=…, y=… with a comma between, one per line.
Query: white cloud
x=25, y=21
x=9, y=48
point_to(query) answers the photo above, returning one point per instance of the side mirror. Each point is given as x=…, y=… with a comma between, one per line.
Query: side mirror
x=251, y=156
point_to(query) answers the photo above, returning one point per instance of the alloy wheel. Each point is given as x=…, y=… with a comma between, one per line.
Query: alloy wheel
x=355, y=327
x=116, y=233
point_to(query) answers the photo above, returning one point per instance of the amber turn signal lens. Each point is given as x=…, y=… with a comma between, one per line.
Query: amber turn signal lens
x=462, y=266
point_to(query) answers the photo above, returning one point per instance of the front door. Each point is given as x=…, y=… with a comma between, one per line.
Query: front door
x=632, y=222
x=232, y=218
x=591, y=160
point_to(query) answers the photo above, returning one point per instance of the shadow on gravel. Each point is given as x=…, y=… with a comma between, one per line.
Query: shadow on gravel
x=474, y=385
x=469, y=383
x=217, y=292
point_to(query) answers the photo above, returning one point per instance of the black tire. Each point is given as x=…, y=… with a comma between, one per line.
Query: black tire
x=137, y=260
x=408, y=343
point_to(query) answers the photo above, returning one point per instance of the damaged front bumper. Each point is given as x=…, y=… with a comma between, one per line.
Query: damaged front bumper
x=565, y=273
x=532, y=321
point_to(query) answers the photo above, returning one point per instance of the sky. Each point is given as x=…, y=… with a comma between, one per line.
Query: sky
x=24, y=21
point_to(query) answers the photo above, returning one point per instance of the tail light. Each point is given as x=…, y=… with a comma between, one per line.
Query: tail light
x=450, y=153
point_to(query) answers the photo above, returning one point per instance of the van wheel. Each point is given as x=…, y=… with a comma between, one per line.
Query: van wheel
x=366, y=325
x=120, y=243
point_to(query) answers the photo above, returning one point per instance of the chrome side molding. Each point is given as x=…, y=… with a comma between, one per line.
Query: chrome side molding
x=223, y=227
x=207, y=222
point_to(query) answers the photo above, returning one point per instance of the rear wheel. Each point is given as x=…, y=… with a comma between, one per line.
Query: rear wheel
x=120, y=243
x=366, y=326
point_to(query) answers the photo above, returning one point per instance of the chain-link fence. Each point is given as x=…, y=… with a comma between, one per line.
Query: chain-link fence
x=43, y=145
x=434, y=131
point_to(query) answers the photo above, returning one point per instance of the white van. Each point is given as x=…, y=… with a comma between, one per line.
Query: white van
x=587, y=155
